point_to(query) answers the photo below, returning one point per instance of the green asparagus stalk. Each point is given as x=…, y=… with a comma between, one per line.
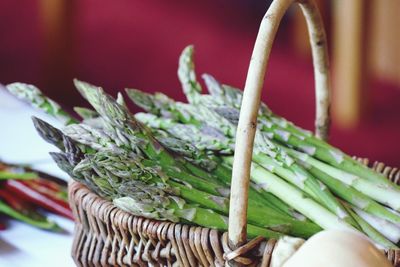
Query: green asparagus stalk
x=384, y=194
x=161, y=105
x=36, y=98
x=153, y=202
x=187, y=75
x=49, y=133
x=190, y=153
x=208, y=138
x=389, y=230
x=354, y=197
x=332, y=156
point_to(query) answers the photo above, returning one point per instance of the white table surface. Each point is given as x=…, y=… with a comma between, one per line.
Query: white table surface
x=22, y=245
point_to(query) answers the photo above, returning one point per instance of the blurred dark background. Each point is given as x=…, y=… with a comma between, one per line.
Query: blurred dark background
x=131, y=43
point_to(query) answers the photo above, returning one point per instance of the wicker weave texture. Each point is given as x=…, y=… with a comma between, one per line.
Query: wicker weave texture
x=108, y=236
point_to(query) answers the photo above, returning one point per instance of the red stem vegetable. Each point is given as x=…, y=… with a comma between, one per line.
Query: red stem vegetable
x=13, y=201
x=50, y=203
x=48, y=184
x=21, y=210
x=28, y=216
x=2, y=226
x=48, y=189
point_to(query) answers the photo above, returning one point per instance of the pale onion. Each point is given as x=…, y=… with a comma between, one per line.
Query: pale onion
x=338, y=248
x=284, y=249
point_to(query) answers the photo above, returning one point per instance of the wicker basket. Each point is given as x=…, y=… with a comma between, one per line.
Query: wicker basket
x=108, y=236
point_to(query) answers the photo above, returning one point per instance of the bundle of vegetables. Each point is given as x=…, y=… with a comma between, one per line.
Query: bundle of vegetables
x=24, y=192
x=174, y=162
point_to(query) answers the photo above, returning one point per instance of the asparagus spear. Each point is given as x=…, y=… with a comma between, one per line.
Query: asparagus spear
x=153, y=202
x=49, y=133
x=354, y=197
x=187, y=75
x=332, y=156
x=36, y=98
x=384, y=194
x=161, y=105
x=387, y=229
x=72, y=152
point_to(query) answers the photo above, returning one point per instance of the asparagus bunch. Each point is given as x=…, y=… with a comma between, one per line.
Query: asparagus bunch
x=174, y=162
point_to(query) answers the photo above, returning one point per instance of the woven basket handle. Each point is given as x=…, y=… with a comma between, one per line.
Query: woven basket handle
x=251, y=102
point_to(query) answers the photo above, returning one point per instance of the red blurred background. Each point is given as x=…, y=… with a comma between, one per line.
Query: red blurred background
x=131, y=43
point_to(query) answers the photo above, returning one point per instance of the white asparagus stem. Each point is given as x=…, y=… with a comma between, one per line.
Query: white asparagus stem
x=390, y=230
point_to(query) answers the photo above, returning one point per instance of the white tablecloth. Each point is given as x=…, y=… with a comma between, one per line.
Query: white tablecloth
x=22, y=245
